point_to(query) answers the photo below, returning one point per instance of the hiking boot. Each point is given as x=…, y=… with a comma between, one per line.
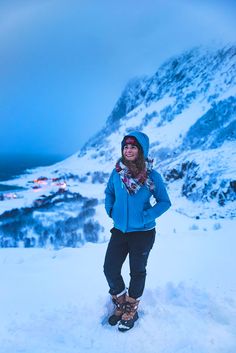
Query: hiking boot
x=130, y=314
x=119, y=302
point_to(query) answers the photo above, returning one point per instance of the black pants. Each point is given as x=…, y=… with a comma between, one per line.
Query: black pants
x=138, y=246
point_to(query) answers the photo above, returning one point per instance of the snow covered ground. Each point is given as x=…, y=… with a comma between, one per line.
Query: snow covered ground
x=57, y=301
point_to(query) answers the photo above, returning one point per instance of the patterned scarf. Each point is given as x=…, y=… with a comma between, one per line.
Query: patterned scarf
x=134, y=184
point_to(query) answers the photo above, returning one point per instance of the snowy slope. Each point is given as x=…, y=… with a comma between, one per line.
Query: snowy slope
x=57, y=301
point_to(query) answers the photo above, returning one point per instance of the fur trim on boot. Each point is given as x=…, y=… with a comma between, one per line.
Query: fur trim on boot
x=119, y=302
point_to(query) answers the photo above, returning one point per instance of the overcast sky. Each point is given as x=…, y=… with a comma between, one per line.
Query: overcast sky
x=64, y=63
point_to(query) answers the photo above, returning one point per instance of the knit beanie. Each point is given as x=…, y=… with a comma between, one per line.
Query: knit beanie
x=138, y=139
x=130, y=140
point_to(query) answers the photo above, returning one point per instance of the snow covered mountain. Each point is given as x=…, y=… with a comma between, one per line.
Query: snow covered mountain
x=188, y=109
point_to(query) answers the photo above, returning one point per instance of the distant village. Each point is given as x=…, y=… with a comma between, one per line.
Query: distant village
x=37, y=184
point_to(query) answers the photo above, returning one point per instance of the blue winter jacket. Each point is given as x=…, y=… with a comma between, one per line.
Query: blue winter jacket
x=134, y=212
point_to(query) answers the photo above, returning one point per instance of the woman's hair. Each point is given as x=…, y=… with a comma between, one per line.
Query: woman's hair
x=137, y=166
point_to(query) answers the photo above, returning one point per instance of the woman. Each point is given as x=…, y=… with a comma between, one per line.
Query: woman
x=127, y=202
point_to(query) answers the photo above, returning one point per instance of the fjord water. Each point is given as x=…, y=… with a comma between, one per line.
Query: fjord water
x=12, y=165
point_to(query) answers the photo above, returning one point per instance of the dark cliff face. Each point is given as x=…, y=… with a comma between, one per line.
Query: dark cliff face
x=199, y=187
x=213, y=128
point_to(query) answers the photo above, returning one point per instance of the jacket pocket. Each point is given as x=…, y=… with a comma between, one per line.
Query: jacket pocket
x=148, y=220
x=136, y=218
x=114, y=214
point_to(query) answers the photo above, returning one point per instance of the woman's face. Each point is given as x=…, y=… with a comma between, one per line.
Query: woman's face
x=130, y=152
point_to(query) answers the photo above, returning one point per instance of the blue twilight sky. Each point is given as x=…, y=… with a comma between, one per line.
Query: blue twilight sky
x=64, y=63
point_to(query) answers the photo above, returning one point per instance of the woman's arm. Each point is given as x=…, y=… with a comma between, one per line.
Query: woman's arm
x=162, y=200
x=109, y=195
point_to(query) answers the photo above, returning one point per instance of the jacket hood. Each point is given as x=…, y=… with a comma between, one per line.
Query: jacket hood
x=142, y=139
